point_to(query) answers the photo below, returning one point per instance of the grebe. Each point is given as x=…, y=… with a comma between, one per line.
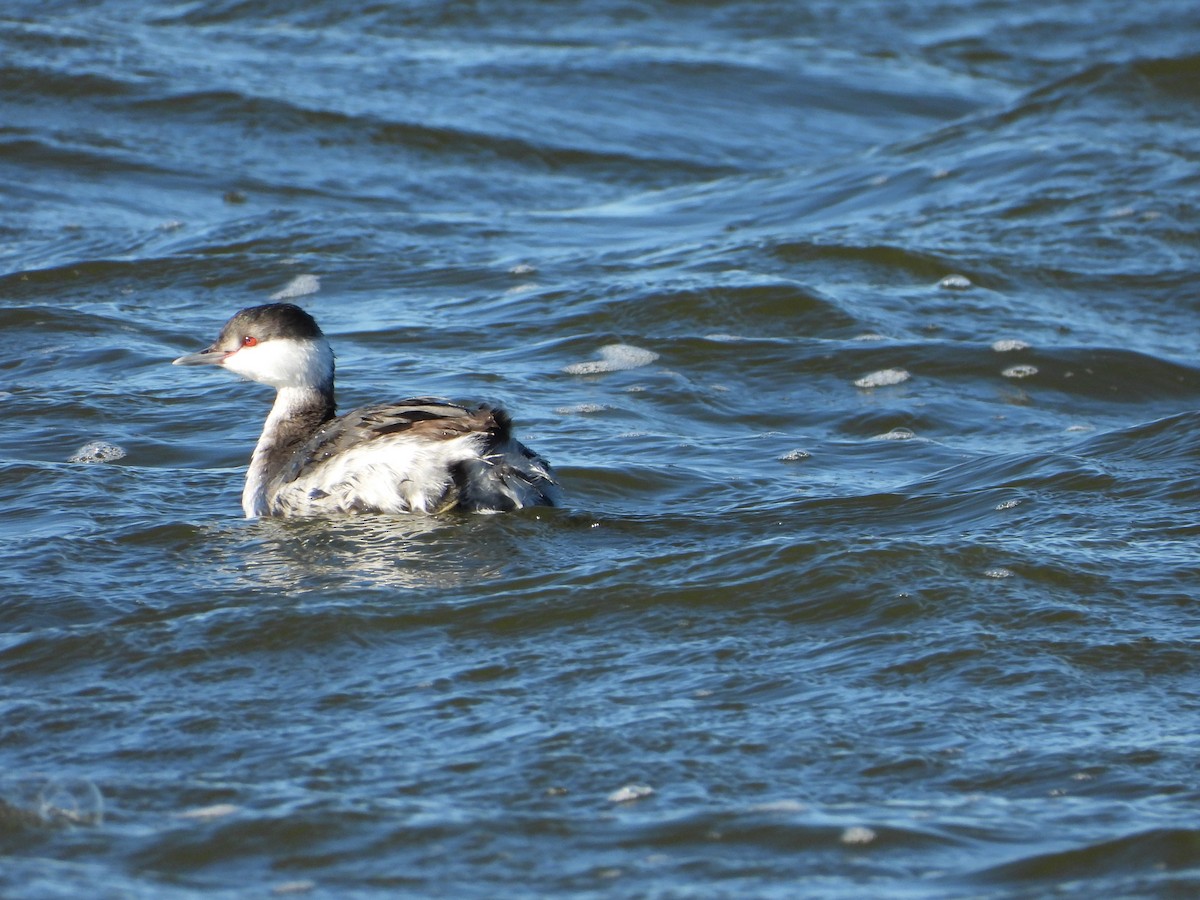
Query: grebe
x=421, y=455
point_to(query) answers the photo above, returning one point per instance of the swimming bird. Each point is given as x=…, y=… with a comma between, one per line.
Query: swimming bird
x=422, y=455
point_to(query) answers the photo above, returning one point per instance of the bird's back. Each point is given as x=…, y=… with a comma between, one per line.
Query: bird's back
x=419, y=455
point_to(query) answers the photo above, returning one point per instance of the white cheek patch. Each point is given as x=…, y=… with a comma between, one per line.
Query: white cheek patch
x=283, y=362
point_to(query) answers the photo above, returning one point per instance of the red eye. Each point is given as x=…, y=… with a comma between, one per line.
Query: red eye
x=249, y=341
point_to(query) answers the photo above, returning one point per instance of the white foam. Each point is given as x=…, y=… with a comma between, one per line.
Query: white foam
x=1008, y=504
x=1008, y=345
x=955, y=282
x=883, y=378
x=998, y=573
x=299, y=886
x=779, y=806
x=299, y=286
x=614, y=358
x=795, y=456
x=580, y=409
x=208, y=813
x=896, y=434
x=522, y=269
x=630, y=792
x=97, y=452
x=1019, y=371
x=858, y=835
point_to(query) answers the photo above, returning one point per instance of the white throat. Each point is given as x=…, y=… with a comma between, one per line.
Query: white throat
x=288, y=402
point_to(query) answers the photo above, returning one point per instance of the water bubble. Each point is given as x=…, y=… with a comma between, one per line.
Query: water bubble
x=614, y=358
x=955, y=282
x=38, y=802
x=96, y=452
x=73, y=801
x=795, y=456
x=998, y=572
x=298, y=287
x=630, y=792
x=1008, y=504
x=883, y=378
x=580, y=409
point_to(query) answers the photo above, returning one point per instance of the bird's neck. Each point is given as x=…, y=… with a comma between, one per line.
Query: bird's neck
x=296, y=416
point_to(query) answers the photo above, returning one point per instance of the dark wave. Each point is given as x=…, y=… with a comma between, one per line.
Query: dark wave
x=1138, y=81
x=40, y=154
x=52, y=85
x=1150, y=856
x=915, y=264
x=335, y=128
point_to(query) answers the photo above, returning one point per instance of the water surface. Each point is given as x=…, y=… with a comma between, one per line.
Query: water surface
x=877, y=574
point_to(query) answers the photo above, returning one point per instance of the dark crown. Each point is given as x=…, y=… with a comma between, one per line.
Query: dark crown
x=273, y=320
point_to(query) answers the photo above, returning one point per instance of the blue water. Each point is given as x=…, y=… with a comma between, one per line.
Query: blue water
x=862, y=337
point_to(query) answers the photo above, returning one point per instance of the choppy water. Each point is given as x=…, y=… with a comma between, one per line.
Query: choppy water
x=878, y=575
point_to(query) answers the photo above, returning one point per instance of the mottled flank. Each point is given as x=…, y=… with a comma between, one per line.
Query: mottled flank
x=457, y=458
